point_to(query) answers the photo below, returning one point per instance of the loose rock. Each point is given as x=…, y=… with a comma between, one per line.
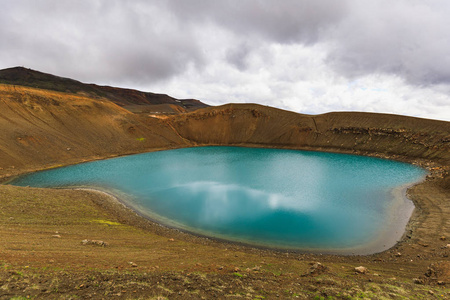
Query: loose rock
x=316, y=269
x=94, y=242
x=256, y=268
x=361, y=270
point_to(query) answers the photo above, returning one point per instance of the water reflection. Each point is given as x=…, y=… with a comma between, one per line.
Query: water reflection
x=262, y=196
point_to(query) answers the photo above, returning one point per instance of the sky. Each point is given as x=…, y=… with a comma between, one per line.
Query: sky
x=307, y=56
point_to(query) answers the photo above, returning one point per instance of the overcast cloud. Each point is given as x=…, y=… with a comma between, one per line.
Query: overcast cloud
x=310, y=56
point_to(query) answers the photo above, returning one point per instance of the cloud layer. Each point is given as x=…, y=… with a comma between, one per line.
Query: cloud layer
x=307, y=56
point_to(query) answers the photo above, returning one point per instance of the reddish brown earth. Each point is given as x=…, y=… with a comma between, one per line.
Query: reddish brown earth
x=41, y=230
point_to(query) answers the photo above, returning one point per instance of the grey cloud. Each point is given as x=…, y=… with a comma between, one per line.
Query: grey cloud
x=405, y=38
x=288, y=21
x=103, y=41
x=136, y=42
x=238, y=55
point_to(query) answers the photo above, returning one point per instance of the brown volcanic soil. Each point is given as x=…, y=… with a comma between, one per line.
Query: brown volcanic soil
x=41, y=230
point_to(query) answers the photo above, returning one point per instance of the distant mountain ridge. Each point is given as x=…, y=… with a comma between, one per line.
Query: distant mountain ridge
x=128, y=98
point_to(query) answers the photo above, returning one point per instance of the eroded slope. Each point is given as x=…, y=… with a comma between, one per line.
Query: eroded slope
x=42, y=128
x=343, y=131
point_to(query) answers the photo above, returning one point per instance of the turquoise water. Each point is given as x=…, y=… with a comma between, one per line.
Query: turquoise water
x=265, y=197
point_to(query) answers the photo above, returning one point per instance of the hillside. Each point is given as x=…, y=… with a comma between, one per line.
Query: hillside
x=38, y=126
x=123, y=97
x=42, y=127
x=347, y=131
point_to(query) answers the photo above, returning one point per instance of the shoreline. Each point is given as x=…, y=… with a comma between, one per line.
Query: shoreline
x=371, y=248
x=400, y=215
x=387, y=237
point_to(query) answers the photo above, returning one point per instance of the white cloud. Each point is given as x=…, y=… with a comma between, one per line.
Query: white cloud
x=295, y=77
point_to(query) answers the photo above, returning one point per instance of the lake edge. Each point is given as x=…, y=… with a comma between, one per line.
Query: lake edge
x=360, y=250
